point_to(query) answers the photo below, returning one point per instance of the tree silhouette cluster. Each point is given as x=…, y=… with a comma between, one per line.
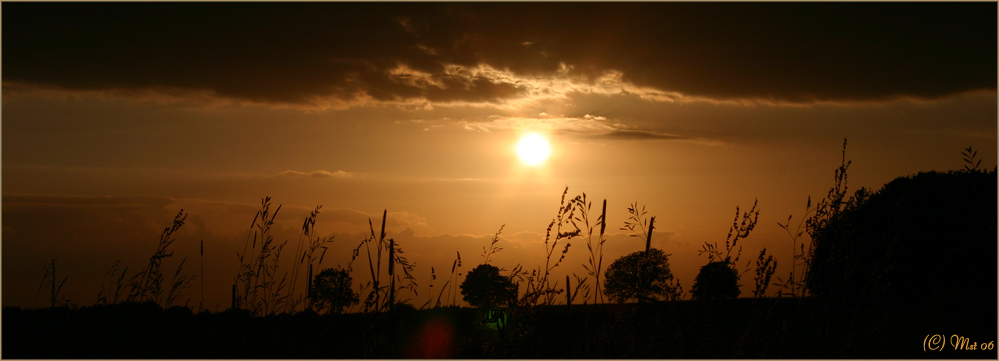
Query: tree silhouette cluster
x=484, y=286
x=332, y=291
x=720, y=279
x=716, y=280
x=931, y=235
x=642, y=276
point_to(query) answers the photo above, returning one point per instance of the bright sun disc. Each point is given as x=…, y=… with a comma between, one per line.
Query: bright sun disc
x=533, y=149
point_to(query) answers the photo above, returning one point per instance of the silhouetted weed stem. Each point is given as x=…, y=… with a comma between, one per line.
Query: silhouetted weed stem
x=260, y=293
x=636, y=222
x=55, y=296
x=793, y=286
x=454, y=276
x=739, y=230
x=112, y=293
x=397, y=258
x=826, y=209
x=488, y=251
x=430, y=288
x=201, y=305
x=829, y=207
x=373, y=301
x=596, y=251
x=308, y=243
x=147, y=285
x=564, y=217
x=971, y=164
x=452, y=280
x=766, y=266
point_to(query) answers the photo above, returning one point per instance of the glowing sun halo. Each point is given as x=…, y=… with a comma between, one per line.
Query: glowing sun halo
x=533, y=149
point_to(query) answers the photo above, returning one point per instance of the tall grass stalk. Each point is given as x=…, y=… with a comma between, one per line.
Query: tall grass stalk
x=430, y=289
x=453, y=280
x=180, y=282
x=638, y=225
x=305, y=254
x=391, y=274
x=794, y=284
x=111, y=293
x=564, y=218
x=739, y=230
x=581, y=285
x=825, y=211
x=970, y=163
x=148, y=284
x=201, y=306
x=534, y=285
x=833, y=203
x=766, y=266
x=259, y=290
x=488, y=251
x=377, y=272
x=373, y=301
x=596, y=260
x=443, y=289
x=406, y=279
x=55, y=292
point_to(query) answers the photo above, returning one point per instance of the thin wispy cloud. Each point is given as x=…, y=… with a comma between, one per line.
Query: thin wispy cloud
x=317, y=174
x=588, y=125
x=627, y=134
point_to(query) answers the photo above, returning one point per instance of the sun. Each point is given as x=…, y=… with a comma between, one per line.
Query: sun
x=533, y=149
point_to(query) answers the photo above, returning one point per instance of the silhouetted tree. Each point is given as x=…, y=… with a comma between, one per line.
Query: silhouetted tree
x=641, y=276
x=716, y=280
x=485, y=287
x=922, y=245
x=332, y=290
x=931, y=229
x=720, y=279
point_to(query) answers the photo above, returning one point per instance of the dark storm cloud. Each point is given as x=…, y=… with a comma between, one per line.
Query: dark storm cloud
x=295, y=53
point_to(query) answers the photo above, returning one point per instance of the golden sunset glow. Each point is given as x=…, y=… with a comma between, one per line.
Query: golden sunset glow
x=533, y=149
x=449, y=129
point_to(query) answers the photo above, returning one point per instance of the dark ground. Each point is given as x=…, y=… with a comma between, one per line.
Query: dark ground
x=742, y=328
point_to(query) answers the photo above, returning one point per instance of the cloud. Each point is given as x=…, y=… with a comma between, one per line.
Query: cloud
x=317, y=174
x=396, y=221
x=346, y=54
x=585, y=124
x=588, y=125
x=641, y=134
x=27, y=200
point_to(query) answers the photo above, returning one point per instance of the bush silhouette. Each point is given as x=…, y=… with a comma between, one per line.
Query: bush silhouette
x=716, y=280
x=485, y=287
x=332, y=290
x=641, y=276
x=927, y=242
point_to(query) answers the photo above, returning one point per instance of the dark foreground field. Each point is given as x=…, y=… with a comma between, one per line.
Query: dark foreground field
x=742, y=328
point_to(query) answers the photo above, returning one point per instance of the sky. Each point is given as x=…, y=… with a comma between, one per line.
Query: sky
x=116, y=116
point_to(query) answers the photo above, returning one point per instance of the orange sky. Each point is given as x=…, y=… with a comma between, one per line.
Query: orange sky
x=690, y=110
